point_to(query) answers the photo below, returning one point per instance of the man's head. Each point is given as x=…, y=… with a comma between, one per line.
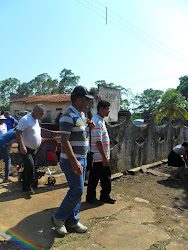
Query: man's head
x=103, y=108
x=185, y=145
x=7, y=114
x=2, y=119
x=38, y=111
x=80, y=98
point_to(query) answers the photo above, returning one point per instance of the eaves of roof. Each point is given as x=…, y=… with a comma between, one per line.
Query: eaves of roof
x=45, y=98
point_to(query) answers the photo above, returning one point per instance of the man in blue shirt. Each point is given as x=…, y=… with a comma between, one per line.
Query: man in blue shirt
x=11, y=122
x=5, y=139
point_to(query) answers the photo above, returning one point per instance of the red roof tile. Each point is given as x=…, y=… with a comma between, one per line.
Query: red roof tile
x=45, y=98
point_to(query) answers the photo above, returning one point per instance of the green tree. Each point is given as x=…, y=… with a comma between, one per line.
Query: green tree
x=183, y=86
x=92, y=89
x=147, y=101
x=68, y=81
x=25, y=89
x=7, y=86
x=42, y=85
x=172, y=105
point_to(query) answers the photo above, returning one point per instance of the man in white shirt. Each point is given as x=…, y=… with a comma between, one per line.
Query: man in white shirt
x=28, y=135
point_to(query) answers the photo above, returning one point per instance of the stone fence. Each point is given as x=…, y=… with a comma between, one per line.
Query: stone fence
x=133, y=146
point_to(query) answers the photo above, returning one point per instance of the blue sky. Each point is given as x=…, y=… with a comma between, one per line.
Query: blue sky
x=144, y=44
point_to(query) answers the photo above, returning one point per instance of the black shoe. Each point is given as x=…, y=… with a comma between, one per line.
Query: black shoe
x=94, y=201
x=108, y=199
x=29, y=192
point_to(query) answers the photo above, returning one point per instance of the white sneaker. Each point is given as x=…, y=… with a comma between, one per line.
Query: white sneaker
x=59, y=225
x=78, y=228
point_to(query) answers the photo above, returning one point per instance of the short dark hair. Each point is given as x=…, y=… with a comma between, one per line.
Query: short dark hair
x=102, y=104
x=185, y=144
x=39, y=107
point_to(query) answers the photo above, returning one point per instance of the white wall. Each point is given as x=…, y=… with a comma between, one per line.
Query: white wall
x=110, y=95
x=53, y=107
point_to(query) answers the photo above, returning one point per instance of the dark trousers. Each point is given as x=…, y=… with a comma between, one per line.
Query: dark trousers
x=102, y=173
x=29, y=170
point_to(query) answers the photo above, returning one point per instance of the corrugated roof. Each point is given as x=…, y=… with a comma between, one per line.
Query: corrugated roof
x=45, y=98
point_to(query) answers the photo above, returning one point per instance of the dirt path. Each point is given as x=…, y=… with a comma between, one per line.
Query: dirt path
x=151, y=212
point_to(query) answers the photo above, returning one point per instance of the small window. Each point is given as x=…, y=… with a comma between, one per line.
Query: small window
x=58, y=109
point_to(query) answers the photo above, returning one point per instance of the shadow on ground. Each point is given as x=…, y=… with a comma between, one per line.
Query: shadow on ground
x=181, y=184
x=16, y=189
x=34, y=230
x=37, y=229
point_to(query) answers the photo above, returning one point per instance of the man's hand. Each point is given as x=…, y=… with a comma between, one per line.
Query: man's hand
x=105, y=162
x=91, y=124
x=77, y=168
x=19, y=139
x=23, y=150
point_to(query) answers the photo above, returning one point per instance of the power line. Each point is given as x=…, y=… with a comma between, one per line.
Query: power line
x=140, y=38
x=91, y=9
x=133, y=33
x=153, y=38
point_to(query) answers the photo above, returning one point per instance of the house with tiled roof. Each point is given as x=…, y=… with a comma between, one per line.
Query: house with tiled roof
x=60, y=102
x=54, y=104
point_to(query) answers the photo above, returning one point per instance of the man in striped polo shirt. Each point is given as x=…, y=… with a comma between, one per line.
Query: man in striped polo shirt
x=74, y=140
x=100, y=146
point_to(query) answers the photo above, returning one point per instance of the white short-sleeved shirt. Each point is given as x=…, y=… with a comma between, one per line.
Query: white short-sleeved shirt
x=3, y=129
x=178, y=148
x=31, y=131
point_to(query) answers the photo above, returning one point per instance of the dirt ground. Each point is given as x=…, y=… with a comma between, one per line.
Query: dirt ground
x=168, y=199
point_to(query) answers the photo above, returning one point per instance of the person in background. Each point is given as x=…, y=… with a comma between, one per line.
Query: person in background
x=58, y=117
x=11, y=122
x=75, y=141
x=28, y=135
x=2, y=112
x=3, y=126
x=175, y=159
x=5, y=139
x=100, y=146
x=20, y=114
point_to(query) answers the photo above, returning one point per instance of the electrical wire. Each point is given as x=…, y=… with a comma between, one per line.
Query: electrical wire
x=140, y=37
x=179, y=54
x=132, y=32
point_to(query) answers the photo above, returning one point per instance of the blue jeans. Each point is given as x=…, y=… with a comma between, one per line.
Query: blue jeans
x=4, y=154
x=70, y=206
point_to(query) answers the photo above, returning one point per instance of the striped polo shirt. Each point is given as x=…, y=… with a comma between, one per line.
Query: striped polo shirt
x=99, y=133
x=74, y=123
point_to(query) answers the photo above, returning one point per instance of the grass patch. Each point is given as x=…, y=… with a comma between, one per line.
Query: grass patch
x=176, y=233
x=160, y=245
x=70, y=238
x=100, y=220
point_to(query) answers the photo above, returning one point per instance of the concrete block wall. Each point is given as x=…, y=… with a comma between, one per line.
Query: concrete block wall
x=133, y=146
